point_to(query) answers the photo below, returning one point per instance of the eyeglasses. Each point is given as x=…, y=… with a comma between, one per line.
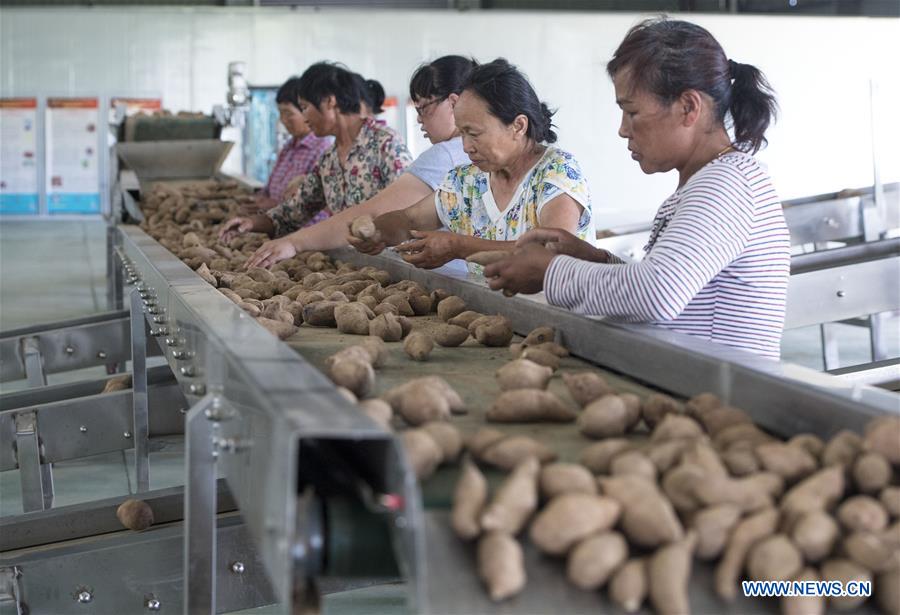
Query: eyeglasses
x=421, y=109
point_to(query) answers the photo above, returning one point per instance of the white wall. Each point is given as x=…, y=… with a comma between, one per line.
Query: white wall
x=820, y=68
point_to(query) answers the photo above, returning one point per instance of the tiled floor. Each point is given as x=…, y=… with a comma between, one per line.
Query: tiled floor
x=55, y=270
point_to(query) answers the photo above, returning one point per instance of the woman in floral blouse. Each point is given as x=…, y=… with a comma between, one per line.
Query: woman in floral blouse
x=516, y=181
x=366, y=156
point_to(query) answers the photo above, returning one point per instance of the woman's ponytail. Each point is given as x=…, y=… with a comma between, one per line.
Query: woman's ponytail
x=375, y=95
x=753, y=106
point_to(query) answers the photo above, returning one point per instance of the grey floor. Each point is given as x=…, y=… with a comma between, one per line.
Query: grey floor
x=55, y=270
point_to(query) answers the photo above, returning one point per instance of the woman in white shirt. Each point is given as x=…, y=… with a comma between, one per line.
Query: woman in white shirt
x=718, y=261
x=434, y=89
x=517, y=179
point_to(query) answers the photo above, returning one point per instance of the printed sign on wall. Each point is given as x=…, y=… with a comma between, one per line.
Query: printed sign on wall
x=73, y=169
x=18, y=156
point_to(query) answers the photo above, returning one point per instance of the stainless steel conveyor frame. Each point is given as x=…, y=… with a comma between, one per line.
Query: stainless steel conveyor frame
x=258, y=409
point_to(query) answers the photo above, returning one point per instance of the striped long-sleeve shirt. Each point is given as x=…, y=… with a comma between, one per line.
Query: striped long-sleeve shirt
x=716, y=266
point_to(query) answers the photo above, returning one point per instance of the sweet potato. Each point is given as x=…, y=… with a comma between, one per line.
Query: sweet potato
x=204, y=272
x=804, y=605
x=594, y=559
x=320, y=313
x=887, y=591
x=523, y=374
x=634, y=463
x=842, y=449
x=558, y=478
x=447, y=437
x=378, y=410
x=750, y=493
x=495, y=334
x=455, y=403
x=585, y=387
x=774, y=558
x=845, y=571
x=135, y=514
x=278, y=328
x=418, y=402
x=792, y=463
x=700, y=404
x=464, y=319
x=862, y=513
x=541, y=357
x=719, y=419
x=355, y=375
x=423, y=453
x=479, y=441
x=871, y=551
x=529, y=405
x=871, y=472
x=713, y=525
x=376, y=349
x=648, y=518
x=746, y=533
x=812, y=444
x=674, y=427
x=890, y=499
x=418, y=346
x=509, y=451
x=668, y=574
x=450, y=307
x=656, y=406
x=628, y=587
x=469, y=497
x=450, y=335
x=741, y=460
x=815, y=534
x=352, y=318
x=883, y=436
x=539, y=335
x=401, y=302
x=571, y=517
x=817, y=492
x=363, y=227
x=387, y=327
x=597, y=457
x=516, y=499
x=501, y=565
x=420, y=304
x=118, y=383
x=604, y=418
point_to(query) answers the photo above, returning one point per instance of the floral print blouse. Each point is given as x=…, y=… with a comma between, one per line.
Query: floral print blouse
x=377, y=158
x=465, y=203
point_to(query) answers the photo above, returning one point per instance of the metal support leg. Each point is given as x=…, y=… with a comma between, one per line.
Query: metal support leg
x=10, y=592
x=830, y=355
x=876, y=336
x=139, y=393
x=34, y=363
x=200, y=509
x=37, y=482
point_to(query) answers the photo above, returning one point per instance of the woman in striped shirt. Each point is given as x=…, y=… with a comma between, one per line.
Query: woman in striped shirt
x=718, y=260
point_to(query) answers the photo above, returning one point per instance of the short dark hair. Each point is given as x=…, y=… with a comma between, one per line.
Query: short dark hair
x=667, y=57
x=349, y=89
x=508, y=94
x=441, y=78
x=289, y=93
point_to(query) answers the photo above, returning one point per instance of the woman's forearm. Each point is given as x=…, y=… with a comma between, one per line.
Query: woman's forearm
x=466, y=246
x=263, y=224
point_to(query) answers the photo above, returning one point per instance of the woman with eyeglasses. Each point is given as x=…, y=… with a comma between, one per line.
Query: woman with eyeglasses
x=718, y=261
x=516, y=180
x=434, y=89
x=365, y=158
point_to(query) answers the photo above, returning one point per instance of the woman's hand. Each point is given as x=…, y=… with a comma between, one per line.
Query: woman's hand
x=523, y=272
x=234, y=227
x=430, y=249
x=372, y=247
x=559, y=241
x=272, y=252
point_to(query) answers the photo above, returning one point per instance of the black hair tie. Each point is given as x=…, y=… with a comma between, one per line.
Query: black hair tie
x=732, y=68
